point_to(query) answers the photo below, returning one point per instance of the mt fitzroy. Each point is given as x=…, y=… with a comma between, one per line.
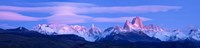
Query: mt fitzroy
x=131, y=31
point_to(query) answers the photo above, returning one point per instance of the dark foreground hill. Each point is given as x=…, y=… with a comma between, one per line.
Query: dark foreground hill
x=23, y=38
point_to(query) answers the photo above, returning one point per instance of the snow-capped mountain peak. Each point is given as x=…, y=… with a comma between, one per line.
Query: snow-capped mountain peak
x=135, y=26
x=137, y=22
x=128, y=25
x=94, y=29
x=138, y=25
x=90, y=34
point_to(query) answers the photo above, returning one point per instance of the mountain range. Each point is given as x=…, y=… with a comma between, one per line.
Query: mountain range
x=23, y=38
x=132, y=35
x=135, y=27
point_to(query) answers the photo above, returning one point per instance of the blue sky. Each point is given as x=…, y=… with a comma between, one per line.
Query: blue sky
x=102, y=13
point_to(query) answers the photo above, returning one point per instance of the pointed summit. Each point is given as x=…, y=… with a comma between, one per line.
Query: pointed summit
x=137, y=22
x=94, y=33
x=19, y=29
x=128, y=25
x=22, y=29
x=94, y=29
x=93, y=26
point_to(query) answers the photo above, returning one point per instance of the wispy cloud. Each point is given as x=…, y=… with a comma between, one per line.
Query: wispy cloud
x=12, y=16
x=69, y=19
x=93, y=9
x=74, y=4
x=26, y=9
x=119, y=19
x=71, y=13
x=129, y=9
x=6, y=26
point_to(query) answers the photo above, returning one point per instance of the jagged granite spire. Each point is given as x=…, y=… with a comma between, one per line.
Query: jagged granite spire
x=137, y=22
x=128, y=25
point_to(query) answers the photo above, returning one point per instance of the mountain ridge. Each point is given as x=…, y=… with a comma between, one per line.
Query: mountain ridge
x=33, y=39
x=136, y=25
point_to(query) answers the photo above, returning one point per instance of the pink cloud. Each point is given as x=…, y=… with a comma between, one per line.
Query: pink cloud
x=12, y=16
x=93, y=9
x=74, y=4
x=71, y=13
x=68, y=15
x=128, y=9
x=68, y=19
x=119, y=19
